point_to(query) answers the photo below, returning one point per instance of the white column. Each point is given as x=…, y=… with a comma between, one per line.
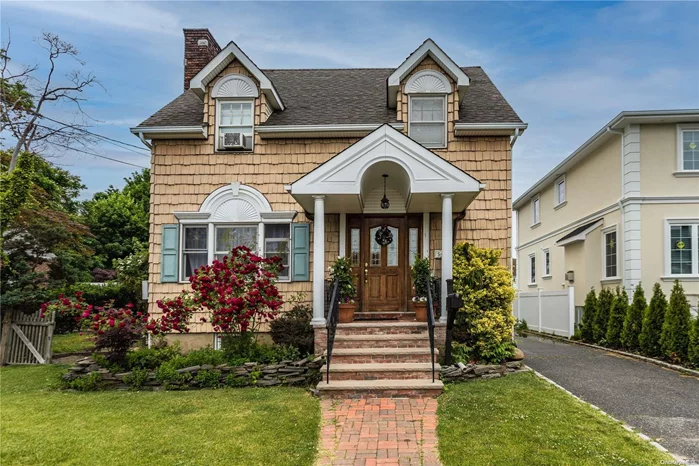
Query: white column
x=319, y=261
x=447, y=246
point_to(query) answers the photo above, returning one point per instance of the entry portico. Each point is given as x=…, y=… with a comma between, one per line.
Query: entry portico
x=352, y=184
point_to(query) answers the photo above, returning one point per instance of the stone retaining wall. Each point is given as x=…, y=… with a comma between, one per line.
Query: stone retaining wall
x=465, y=372
x=305, y=372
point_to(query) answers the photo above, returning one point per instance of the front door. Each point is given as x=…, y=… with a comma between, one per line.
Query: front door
x=385, y=276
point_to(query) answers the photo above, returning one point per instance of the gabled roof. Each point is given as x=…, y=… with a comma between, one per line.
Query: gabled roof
x=579, y=233
x=229, y=53
x=428, y=48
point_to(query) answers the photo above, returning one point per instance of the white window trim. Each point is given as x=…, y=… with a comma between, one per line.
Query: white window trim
x=217, y=139
x=546, y=274
x=680, y=153
x=444, y=108
x=536, y=213
x=612, y=228
x=560, y=203
x=532, y=256
x=694, y=222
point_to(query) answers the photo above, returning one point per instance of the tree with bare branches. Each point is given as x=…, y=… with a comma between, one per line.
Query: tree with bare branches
x=24, y=96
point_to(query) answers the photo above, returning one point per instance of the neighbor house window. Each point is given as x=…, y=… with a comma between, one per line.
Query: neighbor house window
x=688, y=148
x=428, y=121
x=532, y=269
x=547, y=263
x=536, y=202
x=194, y=248
x=235, y=117
x=277, y=244
x=560, y=191
x=682, y=240
x=610, y=248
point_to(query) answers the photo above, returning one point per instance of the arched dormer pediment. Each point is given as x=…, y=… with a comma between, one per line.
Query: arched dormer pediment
x=427, y=82
x=233, y=203
x=234, y=85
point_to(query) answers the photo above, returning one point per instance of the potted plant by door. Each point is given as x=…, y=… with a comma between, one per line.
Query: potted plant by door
x=421, y=277
x=342, y=272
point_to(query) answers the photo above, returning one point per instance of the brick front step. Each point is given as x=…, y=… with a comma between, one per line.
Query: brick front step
x=380, y=388
x=381, y=328
x=381, y=315
x=381, y=371
x=381, y=355
x=410, y=340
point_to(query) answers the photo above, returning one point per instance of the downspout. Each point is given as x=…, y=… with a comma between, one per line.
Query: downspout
x=143, y=140
x=456, y=221
x=514, y=138
x=620, y=203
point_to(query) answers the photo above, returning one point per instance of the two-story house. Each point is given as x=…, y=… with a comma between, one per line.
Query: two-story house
x=620, y=210
x=297, y=162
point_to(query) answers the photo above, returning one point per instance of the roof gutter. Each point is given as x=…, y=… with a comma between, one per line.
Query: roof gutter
x=169, y=132
x=495, y=129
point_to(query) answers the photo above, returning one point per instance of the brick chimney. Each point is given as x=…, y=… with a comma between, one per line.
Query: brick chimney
x=200, y=48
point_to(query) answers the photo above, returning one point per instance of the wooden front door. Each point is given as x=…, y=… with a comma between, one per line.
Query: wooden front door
x=385, y=276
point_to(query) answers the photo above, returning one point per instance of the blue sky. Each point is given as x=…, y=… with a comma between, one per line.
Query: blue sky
x=566, y=68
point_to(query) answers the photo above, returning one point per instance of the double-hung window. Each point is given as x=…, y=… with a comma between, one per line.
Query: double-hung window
x=195, y=252
x=428, y=121
x=610, y=248
x=277, y=244
x=560, y=191
x=532, y=269
x=682, y=248
x=688, y=148
x=547, y=263
x=235, y=116
x=536, y=210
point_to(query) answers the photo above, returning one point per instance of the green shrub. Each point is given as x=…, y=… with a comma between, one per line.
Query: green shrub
x=588, y=317
x=521, y=328
x=137, y=378
x=674, y=340
x=633, y=322
x=293, y=328
x=152, y=358
x=167, y=376
x=87, y=383
x=420, y=273
x=652, y=327
x=234, y=380
x=693, y=351
x=616, y=318
x=485, y=322
x=239, y=349
x=208, y=378
x=605, y=300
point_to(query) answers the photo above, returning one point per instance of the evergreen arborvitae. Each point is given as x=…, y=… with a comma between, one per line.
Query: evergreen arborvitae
x=674, y=340
x=634, y=320
x=588, y=317
x=604, y=306
x=616, y=318
x=653, y=318
x=693, y=352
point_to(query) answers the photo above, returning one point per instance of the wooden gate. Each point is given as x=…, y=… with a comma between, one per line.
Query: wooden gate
x=26, y=338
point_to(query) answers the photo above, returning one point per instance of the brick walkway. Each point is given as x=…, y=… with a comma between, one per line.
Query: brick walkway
x=379, y=431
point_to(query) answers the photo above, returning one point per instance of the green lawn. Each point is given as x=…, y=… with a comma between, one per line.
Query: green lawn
x=523, y=420
x=41, y=425
x=71, y=342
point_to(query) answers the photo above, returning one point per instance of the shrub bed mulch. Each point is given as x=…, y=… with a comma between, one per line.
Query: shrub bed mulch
x=304, y=372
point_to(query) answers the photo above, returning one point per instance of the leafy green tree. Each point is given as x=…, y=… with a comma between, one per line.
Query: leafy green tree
x=633, y=322
x=652, y=328
x=605, y=300
x=674, y=340
x=616, y=318
x=588, y=317
x=693, y=352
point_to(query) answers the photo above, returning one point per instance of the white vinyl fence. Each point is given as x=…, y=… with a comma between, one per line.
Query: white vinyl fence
x=547, y=311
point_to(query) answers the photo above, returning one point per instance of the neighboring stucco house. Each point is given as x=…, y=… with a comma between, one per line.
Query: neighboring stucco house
x=622, y=209
x=292, y=161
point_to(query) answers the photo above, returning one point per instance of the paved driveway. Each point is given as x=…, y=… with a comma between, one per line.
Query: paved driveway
x=661, y=403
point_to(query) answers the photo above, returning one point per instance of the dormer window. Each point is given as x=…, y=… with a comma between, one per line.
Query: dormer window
x=235, y=96
x=427, y=116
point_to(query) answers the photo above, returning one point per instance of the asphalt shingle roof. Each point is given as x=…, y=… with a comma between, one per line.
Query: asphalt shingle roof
x=343, y=96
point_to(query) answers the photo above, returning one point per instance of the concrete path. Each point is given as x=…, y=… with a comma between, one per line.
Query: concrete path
x=379, y=431
x=661, y=403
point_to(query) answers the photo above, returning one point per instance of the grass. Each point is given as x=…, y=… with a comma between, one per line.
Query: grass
x=523, y=420
x=71, y=343
x=41, y=425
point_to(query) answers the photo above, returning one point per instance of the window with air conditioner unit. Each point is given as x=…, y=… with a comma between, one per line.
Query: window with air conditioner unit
x=234, y=130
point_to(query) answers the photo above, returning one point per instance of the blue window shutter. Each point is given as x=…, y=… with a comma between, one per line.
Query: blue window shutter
x=168, y=253
x=300, y=252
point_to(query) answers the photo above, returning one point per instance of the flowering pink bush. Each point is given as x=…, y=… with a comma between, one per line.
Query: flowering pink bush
x=238, y=293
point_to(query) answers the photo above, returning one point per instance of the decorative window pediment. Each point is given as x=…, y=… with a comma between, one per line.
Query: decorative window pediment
x=234, y=203
x=235, y=85
x=428, y=82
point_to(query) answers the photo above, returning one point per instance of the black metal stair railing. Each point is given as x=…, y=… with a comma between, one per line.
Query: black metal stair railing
x=430, y=322
x=331, y=326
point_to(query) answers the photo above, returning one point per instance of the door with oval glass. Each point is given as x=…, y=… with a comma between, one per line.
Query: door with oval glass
x=384, y=265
